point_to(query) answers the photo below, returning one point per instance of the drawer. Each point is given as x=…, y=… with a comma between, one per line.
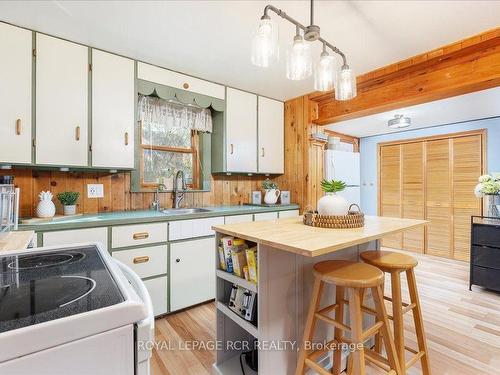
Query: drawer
x=146, y=261
x=291, y=213
x=158, y=291
x=485, y=256
x=140, y=234
x=488, y=235
x=266, y=216
x=486, y=277
x=180, y=81
x=178, y=230
x=65, y=237
x=238, y=219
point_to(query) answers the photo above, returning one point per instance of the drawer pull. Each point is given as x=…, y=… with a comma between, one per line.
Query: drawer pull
x=140, y=236
x=77, y=133
x=232, y=148
x=142, y=259
x=126, y=138
x=185, y=85
x=18, y=126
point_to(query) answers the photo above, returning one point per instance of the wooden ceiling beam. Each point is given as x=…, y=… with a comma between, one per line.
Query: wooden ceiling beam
x=466, y=66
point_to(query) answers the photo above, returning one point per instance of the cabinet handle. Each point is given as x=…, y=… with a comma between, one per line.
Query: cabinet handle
x=77, y=133
x=142, y=259
x=177, y=260
x=126, y=138
x=140, y=236
x=232, y=149
x=263, y=153
x=185, y=85
x=18, y=126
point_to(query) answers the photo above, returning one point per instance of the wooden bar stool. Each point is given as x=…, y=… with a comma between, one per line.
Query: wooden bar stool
x=356, y=278
x=394, y=264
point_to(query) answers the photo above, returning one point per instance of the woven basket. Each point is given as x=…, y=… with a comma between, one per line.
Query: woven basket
x=354, y=219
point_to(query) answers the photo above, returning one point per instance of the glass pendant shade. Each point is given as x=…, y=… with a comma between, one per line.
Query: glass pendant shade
x=345, y=87
x=299, y=60
x=324, y=74
x=265, y=48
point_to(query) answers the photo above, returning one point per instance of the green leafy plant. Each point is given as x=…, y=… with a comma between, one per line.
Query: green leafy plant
x=68, y=198
x=267, y=184
x=332, y=186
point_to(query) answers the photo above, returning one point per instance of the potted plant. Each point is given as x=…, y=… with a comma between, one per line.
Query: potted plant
x=68, y=200
x=331, y=203
x=272, y=191
x=489, y=188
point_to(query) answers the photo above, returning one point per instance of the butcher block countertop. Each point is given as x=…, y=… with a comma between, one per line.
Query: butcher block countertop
x=293, y=236
x=16, y=240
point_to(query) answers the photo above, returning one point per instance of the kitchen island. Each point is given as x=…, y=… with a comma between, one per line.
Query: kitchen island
x=287, y=251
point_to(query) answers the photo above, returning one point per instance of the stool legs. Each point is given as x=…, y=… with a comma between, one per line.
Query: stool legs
x=310, y=324
x=337, y=355
x=419, y=323
x=378, y=337
x=356, y=318
x=397, y=314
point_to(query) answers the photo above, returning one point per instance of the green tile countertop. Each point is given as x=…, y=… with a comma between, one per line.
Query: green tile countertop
x=147, y=216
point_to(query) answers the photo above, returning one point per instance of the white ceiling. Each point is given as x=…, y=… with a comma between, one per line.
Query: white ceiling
x=211, y=39
x=474, y=106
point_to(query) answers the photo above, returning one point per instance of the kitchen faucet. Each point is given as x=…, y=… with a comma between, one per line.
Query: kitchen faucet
x=155, y=205
x=177, y=195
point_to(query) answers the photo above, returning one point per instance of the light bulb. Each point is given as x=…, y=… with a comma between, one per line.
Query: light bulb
x=299, y=60
x=265, y=48
x=324, y=75
x=345, y=87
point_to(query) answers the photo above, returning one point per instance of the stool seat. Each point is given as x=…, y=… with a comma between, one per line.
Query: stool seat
x=349, y=274
x=389, y=260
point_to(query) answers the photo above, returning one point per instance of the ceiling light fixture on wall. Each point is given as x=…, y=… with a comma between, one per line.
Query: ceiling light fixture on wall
x=399, y=122
x=299, y=66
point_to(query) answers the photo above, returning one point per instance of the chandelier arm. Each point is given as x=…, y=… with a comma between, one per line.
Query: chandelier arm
x=282, y=14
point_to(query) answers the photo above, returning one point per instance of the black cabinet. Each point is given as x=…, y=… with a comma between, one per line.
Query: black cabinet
x=485, y=253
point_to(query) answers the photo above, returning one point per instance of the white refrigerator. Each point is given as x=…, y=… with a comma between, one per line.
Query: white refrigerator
x=344, y=166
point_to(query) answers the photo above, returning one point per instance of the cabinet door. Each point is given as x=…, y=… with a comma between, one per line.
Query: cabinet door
x=112, y=111
x=61, y=102
x=65, y=237
x=192, y=272
x=241, y=131
x=158, y=291
x=271, y=136
x=15, y=94
x=265, y=216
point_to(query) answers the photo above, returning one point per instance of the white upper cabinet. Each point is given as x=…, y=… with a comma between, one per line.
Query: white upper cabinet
x=113, y=99
x=180, y=81
x=15, y=94
x=61, y=102
x=241, y=131
x=271, y=136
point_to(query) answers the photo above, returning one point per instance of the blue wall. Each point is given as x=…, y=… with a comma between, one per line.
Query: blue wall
x=368, y=150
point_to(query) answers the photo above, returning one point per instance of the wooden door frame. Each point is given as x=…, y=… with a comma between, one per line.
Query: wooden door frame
x=484, y=165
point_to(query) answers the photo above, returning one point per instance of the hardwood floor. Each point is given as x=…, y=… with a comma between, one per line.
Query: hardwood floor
x=462, y=327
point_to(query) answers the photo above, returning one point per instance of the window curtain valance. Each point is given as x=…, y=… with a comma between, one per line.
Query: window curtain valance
x=171, y=114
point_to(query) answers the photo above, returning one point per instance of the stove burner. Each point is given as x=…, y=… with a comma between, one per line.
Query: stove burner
x=27, y=262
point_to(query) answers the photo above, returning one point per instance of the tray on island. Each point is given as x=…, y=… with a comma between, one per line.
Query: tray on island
x=354, y=219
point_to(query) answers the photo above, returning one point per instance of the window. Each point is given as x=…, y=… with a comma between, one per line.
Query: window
x=169, y=141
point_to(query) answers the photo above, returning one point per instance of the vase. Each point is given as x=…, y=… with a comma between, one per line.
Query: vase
x=272, y=196
x=332, y=204
x=45, y=208
x=69, y=210
x=493, y=205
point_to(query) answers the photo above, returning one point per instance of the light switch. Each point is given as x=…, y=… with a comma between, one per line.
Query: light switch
x=95, y=190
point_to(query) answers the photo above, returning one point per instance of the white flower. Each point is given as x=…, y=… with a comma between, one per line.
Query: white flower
x=478, y=192
x=485, y=178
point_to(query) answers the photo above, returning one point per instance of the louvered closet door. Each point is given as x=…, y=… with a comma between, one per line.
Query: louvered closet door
x=467, y=166
x=438, y=193
x=390, y=189
x=412, y=155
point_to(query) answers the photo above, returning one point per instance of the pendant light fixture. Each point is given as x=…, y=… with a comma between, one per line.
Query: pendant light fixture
x=265, y=52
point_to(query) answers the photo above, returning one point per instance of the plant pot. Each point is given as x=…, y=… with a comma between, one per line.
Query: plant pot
x=45, y=208
x=272, y=196
x=69, y=210
x=332, y=204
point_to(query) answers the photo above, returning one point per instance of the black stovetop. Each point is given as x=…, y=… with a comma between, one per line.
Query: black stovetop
x=40, y=287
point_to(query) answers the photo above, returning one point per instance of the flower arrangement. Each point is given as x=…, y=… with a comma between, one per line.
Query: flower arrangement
x=332, y=186
x=488, y=185
x=267, y=184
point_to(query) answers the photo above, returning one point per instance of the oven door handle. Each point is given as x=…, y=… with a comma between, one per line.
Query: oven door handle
x=139, y=287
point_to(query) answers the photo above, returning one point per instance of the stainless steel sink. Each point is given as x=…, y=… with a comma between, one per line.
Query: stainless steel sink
x=184, y=211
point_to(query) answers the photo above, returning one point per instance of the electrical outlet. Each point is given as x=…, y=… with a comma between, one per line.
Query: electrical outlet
x=95, y=190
